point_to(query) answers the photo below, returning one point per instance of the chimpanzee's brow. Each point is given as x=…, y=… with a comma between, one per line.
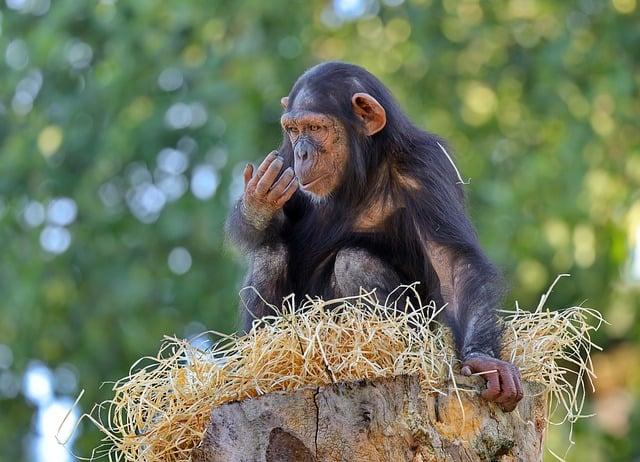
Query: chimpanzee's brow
x=301, y=116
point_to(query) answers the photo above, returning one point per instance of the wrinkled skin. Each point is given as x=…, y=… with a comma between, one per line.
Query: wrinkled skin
x=504, y=386
x=320, y=150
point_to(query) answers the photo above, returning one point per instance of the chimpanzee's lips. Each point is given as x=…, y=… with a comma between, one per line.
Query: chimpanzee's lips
x=305, y=185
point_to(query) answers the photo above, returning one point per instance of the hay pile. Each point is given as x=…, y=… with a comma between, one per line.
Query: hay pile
x=159, y=412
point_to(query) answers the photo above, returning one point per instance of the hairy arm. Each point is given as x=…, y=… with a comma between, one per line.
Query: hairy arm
x=469, y=287
x=254, y=225
x=469, y=283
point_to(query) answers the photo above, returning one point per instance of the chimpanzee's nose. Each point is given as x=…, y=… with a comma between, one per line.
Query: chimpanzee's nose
x=303, y=150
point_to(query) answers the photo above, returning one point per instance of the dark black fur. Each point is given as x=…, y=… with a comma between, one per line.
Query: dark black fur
x=302, y=243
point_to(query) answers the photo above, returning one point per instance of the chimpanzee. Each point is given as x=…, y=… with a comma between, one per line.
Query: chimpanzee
x=366, y=199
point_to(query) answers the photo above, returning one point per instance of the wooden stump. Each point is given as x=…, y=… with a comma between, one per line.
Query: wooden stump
x=382, y=420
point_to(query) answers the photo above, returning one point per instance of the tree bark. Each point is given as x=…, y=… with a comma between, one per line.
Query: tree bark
x=382, y=420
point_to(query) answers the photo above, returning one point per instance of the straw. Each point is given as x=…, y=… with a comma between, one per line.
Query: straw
x=159, y=412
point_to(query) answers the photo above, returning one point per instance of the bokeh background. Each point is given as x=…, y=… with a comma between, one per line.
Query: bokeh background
x=124, y=126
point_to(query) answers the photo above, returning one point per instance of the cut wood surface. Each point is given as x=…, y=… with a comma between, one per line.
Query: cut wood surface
x=381, y=420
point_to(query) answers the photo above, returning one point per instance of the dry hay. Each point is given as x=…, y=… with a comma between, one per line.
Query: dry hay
x=160, y=410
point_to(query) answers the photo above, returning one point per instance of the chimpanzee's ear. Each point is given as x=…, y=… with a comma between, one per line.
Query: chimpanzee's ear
x=370, y=111
x=284, y=102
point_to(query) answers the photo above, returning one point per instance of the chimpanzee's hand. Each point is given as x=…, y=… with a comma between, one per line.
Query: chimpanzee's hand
x=263, y=195
x=503, y=379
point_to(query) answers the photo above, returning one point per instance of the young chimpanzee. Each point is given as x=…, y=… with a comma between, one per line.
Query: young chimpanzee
x=368, y=200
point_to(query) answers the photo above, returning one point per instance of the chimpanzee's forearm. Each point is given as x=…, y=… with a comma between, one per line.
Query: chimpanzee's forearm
x=250, y=232
x=472, y=316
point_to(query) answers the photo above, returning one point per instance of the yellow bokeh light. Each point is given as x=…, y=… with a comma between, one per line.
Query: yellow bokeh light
x=624, y=6
x=632, y=221
x=577, y=104
x=557, y=233
x=470, y=12
x=370, y=29
x=213, y=30
x=621, y=314
x=632, y=166
x=602, y=189
x=454, y=30
x=523, y=9
x=193, y=55
x=532, y=275
x=602, y=123
x=397, y=30
x=49, y=140
x=601, y=120
x=140, y=109
x=480, y=98
x=480, y=103
x=584, y=241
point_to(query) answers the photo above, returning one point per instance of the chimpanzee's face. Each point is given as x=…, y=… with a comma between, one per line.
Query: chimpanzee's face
x=320, y=150
x=319, y=141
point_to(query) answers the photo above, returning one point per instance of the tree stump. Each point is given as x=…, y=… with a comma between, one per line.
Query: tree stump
x=381, y=420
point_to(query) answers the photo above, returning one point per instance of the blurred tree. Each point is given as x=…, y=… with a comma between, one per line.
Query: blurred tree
x=124, y=125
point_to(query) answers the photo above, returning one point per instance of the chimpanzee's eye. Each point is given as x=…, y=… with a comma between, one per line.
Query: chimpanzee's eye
x=314, y=128
x=293, y=130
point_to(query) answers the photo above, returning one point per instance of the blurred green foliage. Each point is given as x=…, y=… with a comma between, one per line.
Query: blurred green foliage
x=124, y=125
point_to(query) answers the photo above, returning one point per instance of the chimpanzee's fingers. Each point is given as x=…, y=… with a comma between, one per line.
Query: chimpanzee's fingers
x=269, y=177
x=248, y=173
x=518, y=381
x=264, y=165
x=511, y=404
x=493, y=386
x=278, y=188
x=507, y=398
x=286, y=195
x=262, y=168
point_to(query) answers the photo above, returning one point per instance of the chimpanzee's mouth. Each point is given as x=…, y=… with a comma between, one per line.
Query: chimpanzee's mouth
x=309, y=183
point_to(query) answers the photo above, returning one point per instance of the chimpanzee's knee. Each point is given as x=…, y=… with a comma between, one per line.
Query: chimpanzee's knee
x=356, y=268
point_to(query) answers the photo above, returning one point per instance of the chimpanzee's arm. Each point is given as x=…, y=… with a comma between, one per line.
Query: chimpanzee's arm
x=469, y=283
x=249, y=232
x=254, y=225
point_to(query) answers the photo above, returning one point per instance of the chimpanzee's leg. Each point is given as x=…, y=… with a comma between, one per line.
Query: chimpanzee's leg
x=355, y=268
x=268, y=276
